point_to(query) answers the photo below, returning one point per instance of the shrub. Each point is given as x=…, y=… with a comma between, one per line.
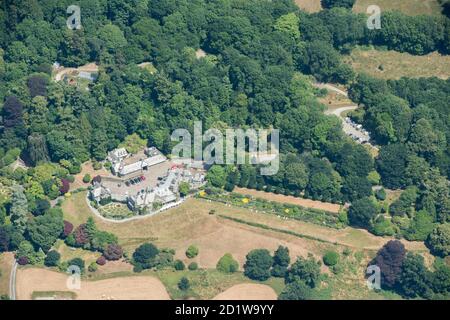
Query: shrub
x=105, y=201
x=343, y=217
x=22, y=261
x=137, y=268
x=164, y=259
x=113, y=252
x=439, y=240
x=52, y=258
x=193, y=266
x=97, y=165
x=41, y=207
x=101, y=261
x=331, y=258
x=184, y=188
x=383, y=227
x=191, y=252
x=93, y=267
x=380, y=194
x=75, y=169
x=227, y=264
x=179, y=265
x=145, y=255
x=70, y=240
x=77, y=262
x=87, y=178
x=374, y=178
x=306, y=270
x=184, y=284
x=420, y=227
x=346, y=252
x=297, y=290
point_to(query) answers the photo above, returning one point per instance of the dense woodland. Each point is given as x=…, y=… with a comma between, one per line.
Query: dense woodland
x=261, y=59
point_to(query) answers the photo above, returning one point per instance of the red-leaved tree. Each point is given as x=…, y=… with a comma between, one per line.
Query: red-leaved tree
x=101, y=261
x=65, y=186
x=68, y=228
x=113, y=252
x=22, y=261
x=81, y=235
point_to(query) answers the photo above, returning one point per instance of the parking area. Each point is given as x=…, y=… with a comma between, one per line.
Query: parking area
x=356, y=131
x=132, y=184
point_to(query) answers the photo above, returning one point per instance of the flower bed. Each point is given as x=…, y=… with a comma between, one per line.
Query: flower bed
x=281, y=209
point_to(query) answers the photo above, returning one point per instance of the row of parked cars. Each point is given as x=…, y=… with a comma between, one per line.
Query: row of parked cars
x=363, y=136
x=134, y=181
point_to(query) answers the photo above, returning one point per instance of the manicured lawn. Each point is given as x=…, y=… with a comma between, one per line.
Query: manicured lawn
x=76, y=209
x=116, y=211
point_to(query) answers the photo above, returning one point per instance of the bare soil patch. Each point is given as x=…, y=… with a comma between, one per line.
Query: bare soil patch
x=248, y=291
x=122, y=288
x=307, y=203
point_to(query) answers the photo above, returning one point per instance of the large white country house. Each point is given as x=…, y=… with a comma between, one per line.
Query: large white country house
x=145, y=181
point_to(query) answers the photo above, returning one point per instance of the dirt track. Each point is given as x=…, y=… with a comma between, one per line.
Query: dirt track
x=123, y=288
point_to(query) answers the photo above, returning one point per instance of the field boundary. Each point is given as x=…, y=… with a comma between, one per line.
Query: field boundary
x=281, y=198
x=266, y=227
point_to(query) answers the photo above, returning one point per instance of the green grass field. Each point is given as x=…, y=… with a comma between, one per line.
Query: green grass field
x=394, y=65
x=205, y=283
x=346, y=280
x=53, y=295
x=410, y=7
x=68, y=253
